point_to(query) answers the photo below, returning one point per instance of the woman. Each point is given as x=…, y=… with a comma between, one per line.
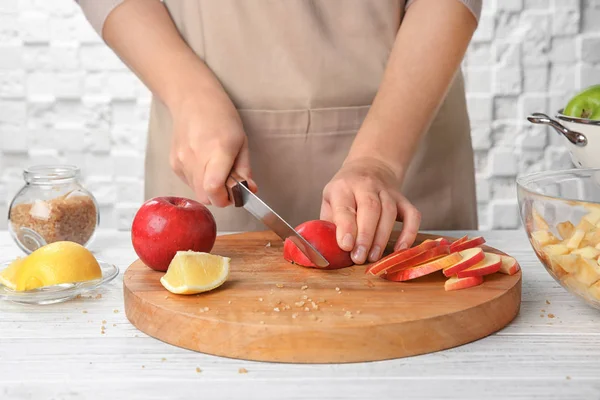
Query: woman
x=349, y=111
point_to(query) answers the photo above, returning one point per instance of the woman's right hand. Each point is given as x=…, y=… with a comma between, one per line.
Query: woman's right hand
x=208, y=144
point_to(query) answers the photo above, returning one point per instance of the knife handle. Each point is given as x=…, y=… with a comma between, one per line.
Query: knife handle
x=233, y=189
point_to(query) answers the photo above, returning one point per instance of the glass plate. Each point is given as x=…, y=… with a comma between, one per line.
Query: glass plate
x=58, y=293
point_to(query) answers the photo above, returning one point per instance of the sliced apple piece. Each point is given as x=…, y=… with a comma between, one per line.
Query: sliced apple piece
x=588, y=272
x=424, y=257
x=457, y=242
x=456, y=283
x=575, y=240
x=593, y=216
x=509, y=265
x=469, y=244
x=565, y=229
x=539, y=222
x=556, y=249
x=587, y=252
x=399, y=256
x=443, y=241
x=470, y=257
x=544, y=237
x=423, y=269
x=489, y=265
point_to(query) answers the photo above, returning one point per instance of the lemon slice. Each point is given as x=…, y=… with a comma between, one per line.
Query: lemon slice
x=56, y=263
x=8, y=276
x=192, y=272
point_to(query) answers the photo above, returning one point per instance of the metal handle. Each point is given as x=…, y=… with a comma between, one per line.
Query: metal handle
x=578, y=139
x=233, y=189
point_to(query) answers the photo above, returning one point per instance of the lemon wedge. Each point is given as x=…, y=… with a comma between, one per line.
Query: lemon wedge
x=8, y=276
x=192, y=272
x=54, y=264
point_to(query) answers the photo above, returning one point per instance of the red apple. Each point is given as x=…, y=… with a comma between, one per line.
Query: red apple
x=423, y=269
x=489, y=265
x=457, y=242
x=399, y=256
x=469, y=244
x=426, y=256
x=509, y=265
x=455, y=283
x=470, y=257
x=321, y=234
x=162, y=226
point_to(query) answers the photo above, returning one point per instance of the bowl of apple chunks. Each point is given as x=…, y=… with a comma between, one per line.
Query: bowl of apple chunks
x=561, y=215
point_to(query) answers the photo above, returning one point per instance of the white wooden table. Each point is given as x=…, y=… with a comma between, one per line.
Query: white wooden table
x=551, y=351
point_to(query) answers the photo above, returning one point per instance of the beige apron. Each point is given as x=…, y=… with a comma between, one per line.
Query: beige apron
x=303, y=74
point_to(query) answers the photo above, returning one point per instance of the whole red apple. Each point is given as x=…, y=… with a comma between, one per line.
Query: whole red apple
x=164, y=225
x=321, y=234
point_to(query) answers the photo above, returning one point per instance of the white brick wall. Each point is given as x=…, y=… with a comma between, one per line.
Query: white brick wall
x=64, y=97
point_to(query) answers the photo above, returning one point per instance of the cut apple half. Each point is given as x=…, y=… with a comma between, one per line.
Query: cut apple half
x=457, y=242
x=456, y=283
x=399, y=256
x=469, y=258
x=509, y=265
x=423, y=269
x=469, y=244
x=490, y=264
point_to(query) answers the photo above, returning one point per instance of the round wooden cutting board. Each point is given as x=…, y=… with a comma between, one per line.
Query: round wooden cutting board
x=271, y=310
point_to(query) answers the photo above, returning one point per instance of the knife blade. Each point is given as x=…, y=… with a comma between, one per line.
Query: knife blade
x=242, y=196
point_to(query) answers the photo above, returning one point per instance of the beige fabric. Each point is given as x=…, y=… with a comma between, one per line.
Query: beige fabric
x=303, y=75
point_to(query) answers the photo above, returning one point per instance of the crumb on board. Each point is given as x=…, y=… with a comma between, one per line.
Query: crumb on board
x=262, y=322
x=103, y=322
x=543, y=310
x=299, y=303
x=547, y=302
x=229, y=302
x=312, y=317
x=568, y=378
x=304, y=287
x=242, y=371
x=358, y=311
x=279, y=285
x=260, y=299
x=268, y=244
x=116, y=311
x=348, y=314
x=306, y=309
x=337, y=289
x=305, y=297
x=84, y=311
x=551, y=315
x=295, y=315
x=198, y=370
x=286, y=307
x=99, y=296
x=276, y=309
x=314, y=305
x=163, y=359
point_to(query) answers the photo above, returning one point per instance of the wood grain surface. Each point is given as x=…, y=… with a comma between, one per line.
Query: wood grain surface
x=265, y=311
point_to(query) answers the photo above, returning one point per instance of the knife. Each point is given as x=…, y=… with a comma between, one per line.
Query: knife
x=241, y=196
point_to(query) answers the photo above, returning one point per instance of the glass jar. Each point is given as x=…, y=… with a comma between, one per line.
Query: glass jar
x=52, y=206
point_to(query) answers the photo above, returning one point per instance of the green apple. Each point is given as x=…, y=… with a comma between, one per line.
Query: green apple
x=585, y=104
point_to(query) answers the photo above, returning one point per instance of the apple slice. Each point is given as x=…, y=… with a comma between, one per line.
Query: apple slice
x=489, y=265
x=421, y=258
x=443, y=241
x=470, y=257
x=399, y=256
x=423, y=269
x=469, y=244
x=509, y=265
x=455, y=283
x=457, y=242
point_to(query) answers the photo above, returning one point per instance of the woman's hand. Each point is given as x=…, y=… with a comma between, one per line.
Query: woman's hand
x=363, y=201
x=209, y=143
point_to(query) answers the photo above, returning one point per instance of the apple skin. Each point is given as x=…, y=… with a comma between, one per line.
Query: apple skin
x=470, y=257
x=421, y=258
x=585, y=104
x=423, y=269
x=455, y=283
x=468, y=244
x=457, y=242
x=509, y=266
x=399, y=256
x=164, y=225
x=321, y=234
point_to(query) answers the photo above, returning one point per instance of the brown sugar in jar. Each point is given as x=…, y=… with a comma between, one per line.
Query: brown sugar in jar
x=52, y=206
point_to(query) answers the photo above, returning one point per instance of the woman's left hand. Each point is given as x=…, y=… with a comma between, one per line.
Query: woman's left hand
x=363, y=201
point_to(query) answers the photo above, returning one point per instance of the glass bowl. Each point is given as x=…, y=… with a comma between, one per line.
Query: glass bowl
x=560, y=211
